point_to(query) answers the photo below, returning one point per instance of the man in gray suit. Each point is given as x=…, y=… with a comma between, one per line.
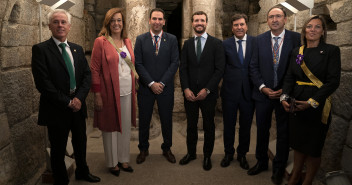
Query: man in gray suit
x=156, y=62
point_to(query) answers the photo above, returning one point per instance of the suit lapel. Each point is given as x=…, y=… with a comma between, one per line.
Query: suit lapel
x=55, y=50
x=248, y=50
x=193, y=49
x=163, y=42
x=268, y=48
x=233, y=50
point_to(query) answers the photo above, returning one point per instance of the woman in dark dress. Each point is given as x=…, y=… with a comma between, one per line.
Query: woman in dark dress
x=308, y=98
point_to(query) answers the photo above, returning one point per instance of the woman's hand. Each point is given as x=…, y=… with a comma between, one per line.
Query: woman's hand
x=98, y=102
x=286, y=105
x=301, y=105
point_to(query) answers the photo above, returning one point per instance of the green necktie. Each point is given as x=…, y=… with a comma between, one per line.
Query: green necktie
x=199, y=48
x=68, y=65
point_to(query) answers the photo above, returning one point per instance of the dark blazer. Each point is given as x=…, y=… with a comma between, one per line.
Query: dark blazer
x=158, y=68
x=53, y=82
x=325, y=63
x=206, y=73
x=262, y=67
x=236, y=77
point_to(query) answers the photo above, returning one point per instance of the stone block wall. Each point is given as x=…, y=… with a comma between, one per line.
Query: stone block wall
x=22, y=141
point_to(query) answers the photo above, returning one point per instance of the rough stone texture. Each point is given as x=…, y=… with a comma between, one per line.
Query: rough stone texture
x=178, y=105
x=346, y=161
x=5, y=132
x=76, y=34
x=301, y=17
x=3, y=5
x=186, y=22
x=138, y=15
x=30, y=156
x=341, y=11
x=344, y=32
x=334, y=143
x=8, y=166
x=346, y=56
x=9, y=56
x=18, y=34
x=265, y=5
x=18, y=94
x=263, y=28
x=77, y=9
x=90, y=33
x=22, y=12
x=349, y=136
x=253, y=25
x=342, y=100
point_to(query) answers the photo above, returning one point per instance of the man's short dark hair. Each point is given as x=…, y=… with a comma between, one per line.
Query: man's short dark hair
x=239, y=16
x=279, y=7
x=199, y=13
x=157, y=10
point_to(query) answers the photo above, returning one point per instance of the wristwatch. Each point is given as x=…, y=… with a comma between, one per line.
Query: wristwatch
x=208, y=92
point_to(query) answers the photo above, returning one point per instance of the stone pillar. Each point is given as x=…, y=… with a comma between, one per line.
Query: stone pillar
x=208, y=7
x=137, y=17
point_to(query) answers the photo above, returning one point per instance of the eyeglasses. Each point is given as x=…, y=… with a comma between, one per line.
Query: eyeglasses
x=277, y=16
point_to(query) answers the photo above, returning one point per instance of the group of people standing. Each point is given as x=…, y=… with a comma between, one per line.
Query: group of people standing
x=270, y=72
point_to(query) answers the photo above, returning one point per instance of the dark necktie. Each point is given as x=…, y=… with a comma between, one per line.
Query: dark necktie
x=68, y=65
x=276, y=59
x=199, y=48
x=240, y=51
x=156, y=40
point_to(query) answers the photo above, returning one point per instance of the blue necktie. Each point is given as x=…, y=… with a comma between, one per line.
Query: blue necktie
x=199, y=48
x=276, y=59
x=68, y=65
x=240, y=51
x=156, y=40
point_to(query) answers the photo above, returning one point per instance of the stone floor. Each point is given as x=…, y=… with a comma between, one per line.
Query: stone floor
x=156, y=170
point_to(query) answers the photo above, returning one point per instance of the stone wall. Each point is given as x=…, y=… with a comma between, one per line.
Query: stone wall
x=22, y=141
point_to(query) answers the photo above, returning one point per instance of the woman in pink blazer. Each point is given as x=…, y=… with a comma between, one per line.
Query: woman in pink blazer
x=113, y=85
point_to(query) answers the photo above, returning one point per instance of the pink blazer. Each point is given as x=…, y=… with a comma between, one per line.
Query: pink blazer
x=105, y=79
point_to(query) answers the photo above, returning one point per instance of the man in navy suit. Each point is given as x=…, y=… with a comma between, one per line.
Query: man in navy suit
x=236, y=91
x=156, y=62
x=267, y=69
x=62, y=76
x=201, y=69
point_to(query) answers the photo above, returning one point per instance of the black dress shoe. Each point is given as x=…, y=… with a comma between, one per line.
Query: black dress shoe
x=243, y=162
x=207, y=163
x=257, y=169
x=141, y=156
x=169, y=156
x=89, y=177
x=277, y=176
x=114, y=172
x=128, y=169
x=225, y=162
x=187, y=158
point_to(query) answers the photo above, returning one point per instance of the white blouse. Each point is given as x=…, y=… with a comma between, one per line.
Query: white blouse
x=125, y=74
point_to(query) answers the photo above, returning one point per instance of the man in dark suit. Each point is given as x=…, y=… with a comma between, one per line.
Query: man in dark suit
x=156, y=62
x=201, y=69
x=267, y=69
x=62, y=76
x=236, y=91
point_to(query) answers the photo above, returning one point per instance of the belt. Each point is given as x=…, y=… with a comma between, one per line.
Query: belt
x=305, y=83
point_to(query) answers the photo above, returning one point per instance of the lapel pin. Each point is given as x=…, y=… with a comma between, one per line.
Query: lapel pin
x=321, y=52
x=74, y=50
